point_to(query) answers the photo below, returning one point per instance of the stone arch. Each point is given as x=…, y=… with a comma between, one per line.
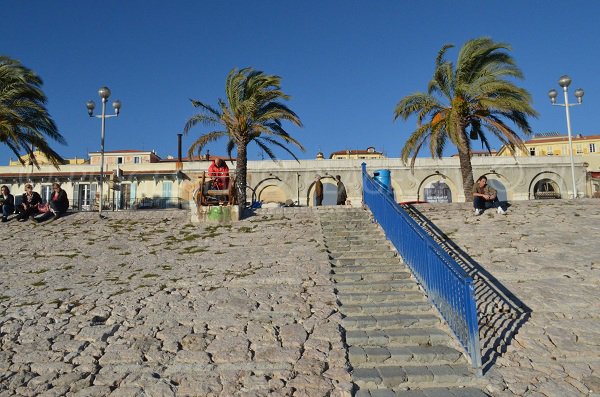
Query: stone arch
x=547, y=184
x=439, y=192
x=500, y=183
x=329, y=191
x=397, y=190
x=271, y=193
x=272, y=189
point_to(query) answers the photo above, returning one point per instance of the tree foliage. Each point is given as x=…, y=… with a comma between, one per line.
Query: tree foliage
x=251, y=112
x=464, y=101
x=25, y=123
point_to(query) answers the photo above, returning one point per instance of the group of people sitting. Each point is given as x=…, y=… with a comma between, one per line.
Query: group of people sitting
x=32, y=204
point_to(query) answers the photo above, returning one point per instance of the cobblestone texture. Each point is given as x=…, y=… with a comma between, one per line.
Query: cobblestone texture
x=145, y=303
x=538, y=271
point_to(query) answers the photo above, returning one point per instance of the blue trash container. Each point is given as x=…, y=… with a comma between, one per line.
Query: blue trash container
x=383, y=177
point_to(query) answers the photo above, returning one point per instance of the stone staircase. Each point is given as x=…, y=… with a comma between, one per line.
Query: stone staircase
x=397, y=343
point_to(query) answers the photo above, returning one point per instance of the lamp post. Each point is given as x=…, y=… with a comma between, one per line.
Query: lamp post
x=564, y=82
x=104, y=93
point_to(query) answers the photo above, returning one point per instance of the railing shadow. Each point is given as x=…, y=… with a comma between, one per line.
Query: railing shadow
x=500, y=313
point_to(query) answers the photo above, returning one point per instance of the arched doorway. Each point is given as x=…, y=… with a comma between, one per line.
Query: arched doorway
x=437, y=192
x=499, y=187
x=546, y=189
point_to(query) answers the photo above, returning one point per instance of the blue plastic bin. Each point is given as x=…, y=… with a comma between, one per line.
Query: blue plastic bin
x=383, y=177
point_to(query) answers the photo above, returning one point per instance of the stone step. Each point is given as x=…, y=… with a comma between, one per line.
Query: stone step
x=395, y=321
x=339, y=262
x=346, y=222
x=427, y=392
x=370, y=276
x=375, y=251
x=443, y=376
x=344, y=244
x=398, y=337
x=385, y=268
x=354, y=234
x=362, y=254
x=376, y=286
x=362, y=357
x=387, y=308
x=358, y=241
x=399, y=297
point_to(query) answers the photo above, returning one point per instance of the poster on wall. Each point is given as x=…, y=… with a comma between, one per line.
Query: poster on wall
x=437, y=192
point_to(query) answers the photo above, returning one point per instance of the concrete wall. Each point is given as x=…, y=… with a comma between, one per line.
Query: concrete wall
x=283, y=180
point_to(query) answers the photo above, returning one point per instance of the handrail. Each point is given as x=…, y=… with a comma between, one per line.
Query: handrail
x=448, y=286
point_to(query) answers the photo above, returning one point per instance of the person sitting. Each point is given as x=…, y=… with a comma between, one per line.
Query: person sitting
x=29, y=204
x=485, y=196
x=7, y=201
x=59, y=203
x=219, y=172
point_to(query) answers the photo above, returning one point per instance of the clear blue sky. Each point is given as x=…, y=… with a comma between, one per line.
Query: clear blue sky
x=345, y=63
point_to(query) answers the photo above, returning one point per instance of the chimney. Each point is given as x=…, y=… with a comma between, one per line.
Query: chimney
x=179, y=164
x=179, y=147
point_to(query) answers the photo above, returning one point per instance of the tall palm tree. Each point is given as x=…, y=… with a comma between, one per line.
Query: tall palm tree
x=251, y=113
x=24, y=121
x=465, y=99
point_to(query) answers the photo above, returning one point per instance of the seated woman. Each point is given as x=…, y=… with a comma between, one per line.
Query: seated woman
x=29, y=204
x=59, y=203
x=7, y=202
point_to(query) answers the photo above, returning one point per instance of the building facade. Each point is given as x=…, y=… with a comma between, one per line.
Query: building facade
x=171, y=184
x=585, y=149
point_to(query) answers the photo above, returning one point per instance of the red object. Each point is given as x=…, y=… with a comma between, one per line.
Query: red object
x=220, y=175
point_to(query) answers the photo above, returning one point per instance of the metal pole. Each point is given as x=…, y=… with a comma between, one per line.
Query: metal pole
x=570, y=141
x=102, y=155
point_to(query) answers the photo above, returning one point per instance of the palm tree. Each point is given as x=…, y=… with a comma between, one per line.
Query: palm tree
x=24, y=121
x=251, y=113
x=465, y=99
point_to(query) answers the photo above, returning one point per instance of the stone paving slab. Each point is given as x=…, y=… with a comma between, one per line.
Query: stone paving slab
x=547, y=254
x=145, y=303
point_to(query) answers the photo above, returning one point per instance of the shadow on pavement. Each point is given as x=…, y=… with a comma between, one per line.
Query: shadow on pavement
x=501, y=314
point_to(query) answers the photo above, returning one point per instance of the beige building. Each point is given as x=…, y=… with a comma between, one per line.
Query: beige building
x=42, y=160
x=585, y=149
x=370, y=153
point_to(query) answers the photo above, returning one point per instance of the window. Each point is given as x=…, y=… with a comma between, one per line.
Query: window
x=136, y=160
x=532, y=151
x=579, y=148
x=119, y=160
x=167, y=189
x=549, y=151
x=592, y=148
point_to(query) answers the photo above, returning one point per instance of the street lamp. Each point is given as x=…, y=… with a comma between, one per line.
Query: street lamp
x=564, y=82
x=104, y=93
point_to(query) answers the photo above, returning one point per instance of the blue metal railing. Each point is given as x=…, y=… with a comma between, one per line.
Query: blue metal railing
x=448, y=286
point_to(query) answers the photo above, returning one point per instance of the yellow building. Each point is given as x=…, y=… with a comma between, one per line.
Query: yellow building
x=584, y=148
x=550, y=144
x=370, y=153
x=42, y=160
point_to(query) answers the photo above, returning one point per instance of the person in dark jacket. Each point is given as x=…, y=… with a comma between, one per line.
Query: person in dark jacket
x=7, y=202
x=29, y=203
x=341, y=191
x=318, y=190
x=59, y=203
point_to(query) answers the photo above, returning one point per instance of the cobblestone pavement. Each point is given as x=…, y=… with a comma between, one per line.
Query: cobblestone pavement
x=547, y=254
x=147, y=304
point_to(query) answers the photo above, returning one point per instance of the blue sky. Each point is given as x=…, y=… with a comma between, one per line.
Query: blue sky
x=345, y=63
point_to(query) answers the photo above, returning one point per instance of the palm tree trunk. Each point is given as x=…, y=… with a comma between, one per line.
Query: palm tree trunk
x=466, y=171
x=241, y=168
